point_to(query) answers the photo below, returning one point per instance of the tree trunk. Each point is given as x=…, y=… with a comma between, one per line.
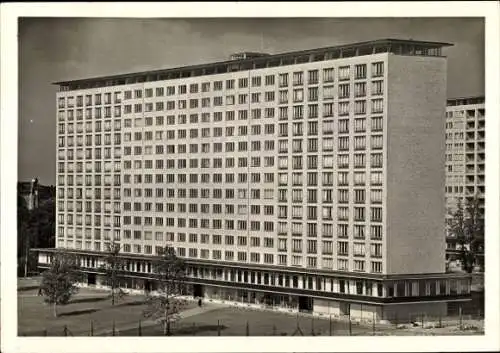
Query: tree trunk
x=55, y=309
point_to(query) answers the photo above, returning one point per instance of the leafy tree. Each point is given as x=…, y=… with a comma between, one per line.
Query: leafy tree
x=113, y=272
x=59, y=281
x=165, y=305
x=35, y=228
x=467, y=225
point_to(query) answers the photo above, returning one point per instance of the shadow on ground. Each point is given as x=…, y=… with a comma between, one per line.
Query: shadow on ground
x=197, y=329
x=26, y=289
x=88, y=300
x=78, y=312
x=134, y=303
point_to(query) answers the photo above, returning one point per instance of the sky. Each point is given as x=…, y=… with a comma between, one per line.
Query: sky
x=57, y=49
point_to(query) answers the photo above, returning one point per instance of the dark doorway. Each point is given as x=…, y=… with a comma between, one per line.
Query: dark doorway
x=148, y=286
x=305, y=304
x=198, y=291
x=91, y=279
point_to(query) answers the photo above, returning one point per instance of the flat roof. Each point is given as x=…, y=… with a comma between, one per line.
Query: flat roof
x=372, y=46
x=457, y=101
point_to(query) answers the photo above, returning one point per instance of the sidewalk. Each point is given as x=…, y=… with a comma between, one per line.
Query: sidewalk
x=146, y=323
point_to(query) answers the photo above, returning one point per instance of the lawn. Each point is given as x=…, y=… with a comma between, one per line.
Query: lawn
x=35, y=318
x=233, y=321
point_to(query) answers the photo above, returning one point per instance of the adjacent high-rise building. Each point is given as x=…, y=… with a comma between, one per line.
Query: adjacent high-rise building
x=465, y=156
x=311, y=180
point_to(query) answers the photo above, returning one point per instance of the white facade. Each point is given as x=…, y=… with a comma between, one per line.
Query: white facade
x=465, y=152
x=244, y=166
x=331, y=165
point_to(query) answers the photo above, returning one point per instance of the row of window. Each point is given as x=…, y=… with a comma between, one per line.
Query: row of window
x=90, y=140
x=344, y=73
x=182, y=119
x=343, y=231
x=88, y=206
x=243, y=256
x=359, y=160
x=359, y=107
x=343, y=214
x=296, y=179
x=359, y=125
x=96, y=126
x=96, y=193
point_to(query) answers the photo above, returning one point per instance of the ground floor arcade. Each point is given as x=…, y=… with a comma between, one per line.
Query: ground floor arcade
x=354, y=295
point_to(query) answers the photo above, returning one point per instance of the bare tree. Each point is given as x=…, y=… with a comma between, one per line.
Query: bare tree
x=165, y=305
x=467, y=225
x=113, y=268
x=59, y=281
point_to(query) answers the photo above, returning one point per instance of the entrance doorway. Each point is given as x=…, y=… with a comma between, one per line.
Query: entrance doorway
x=91, y=279
x=305, y=304
x=198, y=291
x=148, y=286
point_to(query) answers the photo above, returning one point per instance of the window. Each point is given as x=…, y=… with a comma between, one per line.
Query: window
x=243, y=83
x=359, y=249
x=377, y=69
x=256, y=81
x=312, y=77
x=377, y=106
x=344, y=90
x=376, y=250
x=376, y=142
x=328, y=75
x=328, y=109
x=376, y=268
x=359, y=265
x=344, y=73
x=343, y=143
x=376, y=124
x=283, y=80
x=343, y=108
x=360, y=107
x=376, y=214
x=342, y=248
x=298, y=95
x=343, y=161
x=313, y=94
x=329, y=93
x=376, y=160
x=360, y=71
x=377, y=88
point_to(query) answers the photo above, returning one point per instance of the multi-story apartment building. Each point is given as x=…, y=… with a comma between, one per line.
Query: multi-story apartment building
x=465, y=156
x=311, y=180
